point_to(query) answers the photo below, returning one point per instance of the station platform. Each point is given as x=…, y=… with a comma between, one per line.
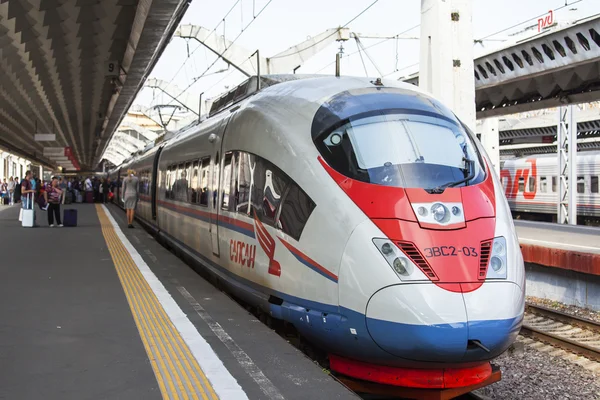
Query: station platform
x=104, y=312
x=569, y=247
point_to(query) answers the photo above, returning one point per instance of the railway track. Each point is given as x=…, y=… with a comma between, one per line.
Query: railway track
x=571, y=333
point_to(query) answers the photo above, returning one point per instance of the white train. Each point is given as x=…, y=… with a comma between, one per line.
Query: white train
x=531, y=185
x=362, y=212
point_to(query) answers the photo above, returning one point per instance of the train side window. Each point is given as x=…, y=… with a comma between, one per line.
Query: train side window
x=269, y=186
x=235, y=173
x=580, y=184
x=295, y=211
x=246, y=167
x=215, y=182
x=554, y=180
x=194, y=184
x=148, y=181
x=226, y=182
x=188, y=177
x=531, y=184
x=594, y=184
x=204, y=174
x=521, y=184
x=174, y=182
x=168, y=185
x=543, y=184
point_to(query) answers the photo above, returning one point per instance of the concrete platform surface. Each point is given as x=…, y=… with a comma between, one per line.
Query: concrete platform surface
x=584, y=239
x=568, y=247
x=67, y=330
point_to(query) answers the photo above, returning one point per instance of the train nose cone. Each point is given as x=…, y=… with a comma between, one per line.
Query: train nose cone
x=421, y=322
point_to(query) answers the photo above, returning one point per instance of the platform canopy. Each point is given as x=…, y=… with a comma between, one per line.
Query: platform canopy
x=70, y=69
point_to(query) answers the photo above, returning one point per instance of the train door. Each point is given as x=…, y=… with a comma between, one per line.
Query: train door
x=214, y=202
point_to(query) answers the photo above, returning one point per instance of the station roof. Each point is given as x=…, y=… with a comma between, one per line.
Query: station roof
x=72, y=68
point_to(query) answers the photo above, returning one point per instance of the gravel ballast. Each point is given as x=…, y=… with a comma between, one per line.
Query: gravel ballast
x=569, y=309
x=534, y=375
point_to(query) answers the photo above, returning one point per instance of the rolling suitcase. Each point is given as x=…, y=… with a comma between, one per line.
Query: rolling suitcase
x=78, y=197
x=70, y=217
x=89, y=197
x=68, y=197
x=28, y=214
x=6, y=200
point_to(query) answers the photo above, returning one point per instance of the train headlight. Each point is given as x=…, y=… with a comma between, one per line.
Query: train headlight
x=387, y=249
x=397, y=260
x=497, y=267
x=439, y=212
x=401, y=266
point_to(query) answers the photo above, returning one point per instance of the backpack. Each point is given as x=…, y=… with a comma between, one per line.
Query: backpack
x=17, y=193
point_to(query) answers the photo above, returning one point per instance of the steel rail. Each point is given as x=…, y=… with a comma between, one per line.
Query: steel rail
x=565, y=343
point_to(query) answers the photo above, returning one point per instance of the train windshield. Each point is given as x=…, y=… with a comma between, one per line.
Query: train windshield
x=404, y=150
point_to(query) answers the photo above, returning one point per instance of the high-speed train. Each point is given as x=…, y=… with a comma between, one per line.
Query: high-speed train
x=362, y=212
x=531, y=185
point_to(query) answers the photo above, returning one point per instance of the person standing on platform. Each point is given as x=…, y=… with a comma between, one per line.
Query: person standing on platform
x=130, y=195
x=4, y=190
x=27, y=191
x=53, y=195
x=11, y=190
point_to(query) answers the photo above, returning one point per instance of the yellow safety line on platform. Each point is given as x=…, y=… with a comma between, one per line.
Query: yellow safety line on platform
x=177, y=371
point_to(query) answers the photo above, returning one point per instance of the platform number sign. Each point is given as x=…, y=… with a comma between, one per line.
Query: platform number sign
x=112, y=68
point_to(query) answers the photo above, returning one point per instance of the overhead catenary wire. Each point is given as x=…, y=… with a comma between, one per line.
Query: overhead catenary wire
x=221, y=21
x=368, y=56
x=361, y=57
x=333, y=33
x=374, y=45
x=224, y=51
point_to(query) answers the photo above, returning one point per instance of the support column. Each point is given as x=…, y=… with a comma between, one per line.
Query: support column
x=490, y=140
x=572, y=165
x=446, y=60
x=566, y=140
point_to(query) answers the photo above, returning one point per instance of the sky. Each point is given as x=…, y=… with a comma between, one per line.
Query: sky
x=284, y=23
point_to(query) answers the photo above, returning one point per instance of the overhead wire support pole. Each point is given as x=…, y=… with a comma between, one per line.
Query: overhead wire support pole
x=573, y=164
x=566, y=142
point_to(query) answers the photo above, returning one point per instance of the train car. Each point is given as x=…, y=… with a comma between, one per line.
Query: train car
x=362, y=212
x=531, y=185
x=116, y=176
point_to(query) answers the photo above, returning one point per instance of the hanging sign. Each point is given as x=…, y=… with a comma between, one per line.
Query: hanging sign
x=45, y=137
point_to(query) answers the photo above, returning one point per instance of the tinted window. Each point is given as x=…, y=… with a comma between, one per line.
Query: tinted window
x=269, y=187
x=180, y=186
x=543, y=184
x=247, y=165
x=403, y=150
x=215, y=181
x=531, y=184
x=521, y=184
x=195, y=185
x=169, y=183
x=554, y=179
x=188, y=177
x=204, y=174
x=295, y=210
x=253, y=185
x=594, y=184
x=580, y=184
x=225, y=198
